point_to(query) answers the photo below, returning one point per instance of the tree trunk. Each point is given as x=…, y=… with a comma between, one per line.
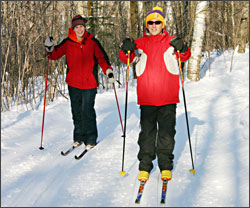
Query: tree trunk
x=169, y=18
x=133, y=8
x=140, y=19
x=198, y=36
x=244, y=29
x=233, y=25
x=90, y=16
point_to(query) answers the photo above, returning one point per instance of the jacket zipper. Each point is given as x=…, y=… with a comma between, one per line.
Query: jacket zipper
x=81, y=47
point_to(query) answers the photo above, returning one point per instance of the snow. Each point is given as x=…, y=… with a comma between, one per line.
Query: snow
x=218, y=115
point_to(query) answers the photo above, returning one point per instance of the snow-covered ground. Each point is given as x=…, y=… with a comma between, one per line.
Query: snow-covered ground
x=218, y=113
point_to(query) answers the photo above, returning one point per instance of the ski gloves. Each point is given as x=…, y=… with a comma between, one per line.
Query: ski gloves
x=49, y=44
x=110, y=76
x=179, y=44
x=128, y=44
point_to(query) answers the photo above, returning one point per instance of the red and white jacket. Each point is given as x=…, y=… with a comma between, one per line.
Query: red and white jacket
x=82, y=59
x=157, y=69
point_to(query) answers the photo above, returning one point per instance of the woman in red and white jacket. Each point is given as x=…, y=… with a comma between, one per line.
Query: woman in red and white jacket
x=83, y=54
x=157, y=91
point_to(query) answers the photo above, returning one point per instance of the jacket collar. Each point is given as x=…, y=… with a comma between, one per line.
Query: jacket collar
x=160, y=36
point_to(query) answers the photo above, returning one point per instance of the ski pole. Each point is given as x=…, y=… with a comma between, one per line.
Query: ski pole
x=41, y=147
x=118, y=107
x=125, y=119
x=182, y=83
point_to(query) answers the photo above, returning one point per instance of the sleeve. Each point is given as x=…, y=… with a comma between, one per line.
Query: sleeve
x=124, y=58
x=58, y=51
x=184, y=56
x=101, y=56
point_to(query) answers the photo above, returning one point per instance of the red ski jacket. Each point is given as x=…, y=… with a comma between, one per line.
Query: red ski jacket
x=156, y=69
x=82, y=59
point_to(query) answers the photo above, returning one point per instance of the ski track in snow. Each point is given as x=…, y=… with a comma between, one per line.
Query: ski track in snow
x=218, y=109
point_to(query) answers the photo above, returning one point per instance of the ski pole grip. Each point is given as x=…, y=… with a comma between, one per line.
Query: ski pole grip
x=179, y=59
x=128, y=61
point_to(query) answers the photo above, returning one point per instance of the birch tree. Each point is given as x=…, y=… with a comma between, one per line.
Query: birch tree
x=244, y=28
x=193, y=72
x=140, y=18
x=169, y=18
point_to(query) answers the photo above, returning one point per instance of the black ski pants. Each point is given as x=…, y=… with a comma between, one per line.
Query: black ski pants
x=157, y=136
x=83, y=114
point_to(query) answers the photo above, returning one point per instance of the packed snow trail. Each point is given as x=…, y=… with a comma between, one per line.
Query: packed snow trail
x=218, y=113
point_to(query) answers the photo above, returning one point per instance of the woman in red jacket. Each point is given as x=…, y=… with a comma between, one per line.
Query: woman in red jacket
x=83, y=54
x=157, y=91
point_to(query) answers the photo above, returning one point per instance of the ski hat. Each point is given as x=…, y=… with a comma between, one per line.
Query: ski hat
x=156, y=13
x=78, y=20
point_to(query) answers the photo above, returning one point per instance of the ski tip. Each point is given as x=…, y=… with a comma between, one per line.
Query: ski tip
x=137, y=201
x=192, y=171
x=122, y=173
x=162, y=201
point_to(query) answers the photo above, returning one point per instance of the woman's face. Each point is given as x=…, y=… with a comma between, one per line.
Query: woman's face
x=79, y=30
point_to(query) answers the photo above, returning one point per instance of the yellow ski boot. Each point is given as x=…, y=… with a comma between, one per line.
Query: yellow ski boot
x=166, y=175
x=143, y=175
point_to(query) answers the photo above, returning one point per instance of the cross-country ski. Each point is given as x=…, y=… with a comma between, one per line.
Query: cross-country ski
x=68, y=150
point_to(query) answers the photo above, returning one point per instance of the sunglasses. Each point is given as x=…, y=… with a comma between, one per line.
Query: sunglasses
x=156, y=22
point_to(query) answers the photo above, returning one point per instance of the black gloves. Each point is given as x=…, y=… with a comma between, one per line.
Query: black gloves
x=49, y=44
x=178, y=44
x=128, y=44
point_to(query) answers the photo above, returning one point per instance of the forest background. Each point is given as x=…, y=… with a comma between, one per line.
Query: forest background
x=206, y=26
